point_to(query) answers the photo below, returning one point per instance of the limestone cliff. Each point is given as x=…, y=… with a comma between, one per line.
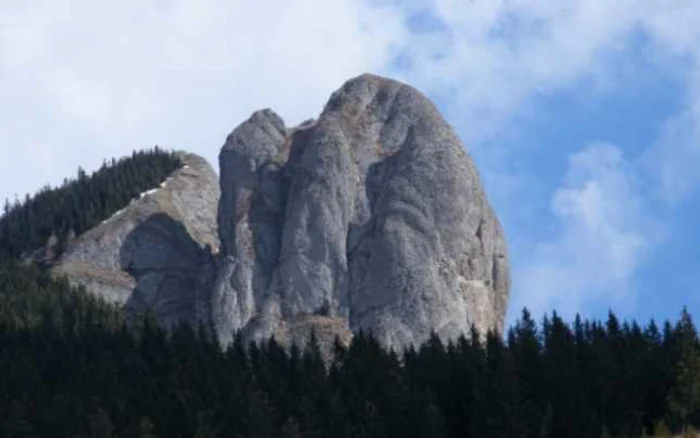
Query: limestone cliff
x=372, y=217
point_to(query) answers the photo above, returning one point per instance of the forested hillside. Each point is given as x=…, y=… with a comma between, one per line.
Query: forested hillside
x=80, y=204
x=69, y=367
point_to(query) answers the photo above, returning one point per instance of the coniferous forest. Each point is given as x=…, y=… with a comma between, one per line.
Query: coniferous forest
x=69, y=367
x=80, y=204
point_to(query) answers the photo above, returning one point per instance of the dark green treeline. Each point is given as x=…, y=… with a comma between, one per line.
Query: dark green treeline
x=70, y=368
x=80, y=204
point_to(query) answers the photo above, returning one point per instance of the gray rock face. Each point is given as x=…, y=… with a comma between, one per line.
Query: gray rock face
x=372, y=217
x=249, y=217
x=157, y=252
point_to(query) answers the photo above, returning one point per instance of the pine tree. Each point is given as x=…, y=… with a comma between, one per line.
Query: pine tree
x=526, y=351
x=685, y=394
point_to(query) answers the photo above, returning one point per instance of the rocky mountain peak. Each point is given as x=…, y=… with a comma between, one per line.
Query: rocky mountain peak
x=372, y=215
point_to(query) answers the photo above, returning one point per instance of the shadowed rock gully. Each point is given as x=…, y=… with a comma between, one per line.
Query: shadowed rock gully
x=167, y=265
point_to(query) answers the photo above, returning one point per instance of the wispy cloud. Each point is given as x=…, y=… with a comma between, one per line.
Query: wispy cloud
x=603, y=233
x=674, y=159
x=492, y=57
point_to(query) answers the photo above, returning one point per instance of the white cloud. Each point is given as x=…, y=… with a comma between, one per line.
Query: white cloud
x=493, y=56
x=130, y=74
x=83, y=80
x=91, y=80
x=674, y=159
x=605, y=233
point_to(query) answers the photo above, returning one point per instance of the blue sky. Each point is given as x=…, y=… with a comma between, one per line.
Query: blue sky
x=628, y=120
x=583, y=117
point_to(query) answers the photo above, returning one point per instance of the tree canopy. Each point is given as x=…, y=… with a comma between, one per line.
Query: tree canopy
x=70, y=367
x=81, y=203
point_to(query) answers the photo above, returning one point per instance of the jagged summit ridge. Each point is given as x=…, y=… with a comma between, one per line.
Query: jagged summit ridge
x=372, y=217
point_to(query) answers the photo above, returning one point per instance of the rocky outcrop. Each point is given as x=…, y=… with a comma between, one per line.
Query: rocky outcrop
x=156, y=253
x=370, y=218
